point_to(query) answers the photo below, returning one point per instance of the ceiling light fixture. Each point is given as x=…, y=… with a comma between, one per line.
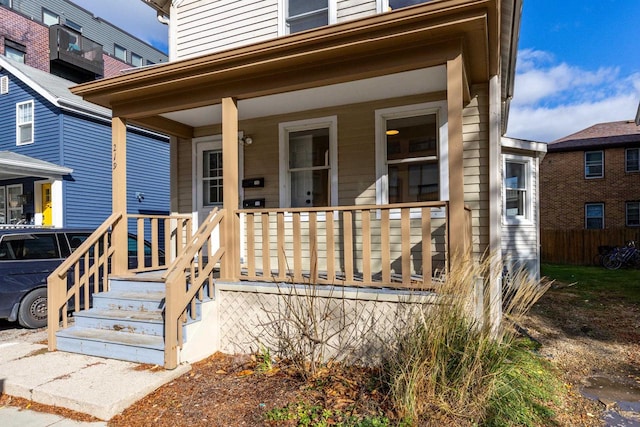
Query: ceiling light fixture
x=391, y=132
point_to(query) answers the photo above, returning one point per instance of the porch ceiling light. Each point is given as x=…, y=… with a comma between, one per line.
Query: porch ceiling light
x=391, y=132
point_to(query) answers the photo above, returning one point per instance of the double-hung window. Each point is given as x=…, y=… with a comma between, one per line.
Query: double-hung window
x=594, y=216
x=633, y=214
x=306, y=14
x=15, y=51
x=517, y=188
x=593, y=164
x=308, y=163
x=632, y=160
x=24, y=123
x=410, y=142
x=136, y=60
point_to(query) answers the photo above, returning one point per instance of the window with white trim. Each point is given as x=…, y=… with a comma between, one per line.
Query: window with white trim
x=15, y=51
x=594, y=216
x=517, y=188
x=24, y=123
x=632, y=214
x=308, y=163
x=50, y=18
x=301, y=15
x=632, y=160
x=12, y=203
x=387, y=5
x=136, y=60
x=212, y=178
x=120, y=52
x=593, y=164
x=410, y=142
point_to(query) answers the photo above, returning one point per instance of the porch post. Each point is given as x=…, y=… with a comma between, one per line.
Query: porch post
x=455, y=93
x=231, y=261
x=119, y=263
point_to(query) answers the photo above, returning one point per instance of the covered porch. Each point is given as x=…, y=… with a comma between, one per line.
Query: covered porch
x=370, y=217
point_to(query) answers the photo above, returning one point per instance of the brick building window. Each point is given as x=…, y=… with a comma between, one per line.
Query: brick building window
x=594, y=216
x=633, y=214
x=593, y=164
x=15, y=51
x=632, y=160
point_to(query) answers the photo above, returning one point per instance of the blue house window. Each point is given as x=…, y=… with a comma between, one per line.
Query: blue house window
x=24, y=123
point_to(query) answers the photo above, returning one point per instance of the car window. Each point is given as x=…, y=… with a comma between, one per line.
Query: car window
x=29, y=246
x=133, y=247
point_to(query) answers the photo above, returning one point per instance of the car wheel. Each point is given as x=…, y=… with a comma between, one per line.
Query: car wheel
x=33, y=309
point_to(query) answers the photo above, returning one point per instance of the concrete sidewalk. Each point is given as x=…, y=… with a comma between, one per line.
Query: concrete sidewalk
x=91, y=385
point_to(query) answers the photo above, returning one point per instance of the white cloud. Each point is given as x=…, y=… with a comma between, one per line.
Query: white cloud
x=133, y=16
x=553, y=100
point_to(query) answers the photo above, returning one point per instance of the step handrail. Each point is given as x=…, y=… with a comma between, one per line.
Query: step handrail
x=184, y=281
x=95, y=266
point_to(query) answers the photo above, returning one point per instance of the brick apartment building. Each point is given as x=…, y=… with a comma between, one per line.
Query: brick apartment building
x=591, y=179
x=61, y=38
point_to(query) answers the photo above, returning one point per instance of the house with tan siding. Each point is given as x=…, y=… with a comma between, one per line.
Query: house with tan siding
x=362, y=145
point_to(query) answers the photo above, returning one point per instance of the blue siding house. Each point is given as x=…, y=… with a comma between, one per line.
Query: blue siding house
x=55, y=155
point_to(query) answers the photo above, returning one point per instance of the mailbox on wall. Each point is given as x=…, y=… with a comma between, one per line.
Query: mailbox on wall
x=253, y=182
x=253, y=203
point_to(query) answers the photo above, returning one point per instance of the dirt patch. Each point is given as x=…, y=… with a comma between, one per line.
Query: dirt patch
x=581, y=338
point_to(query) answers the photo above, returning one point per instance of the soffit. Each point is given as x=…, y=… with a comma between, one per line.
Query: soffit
x=398, y=41
x=13, y=165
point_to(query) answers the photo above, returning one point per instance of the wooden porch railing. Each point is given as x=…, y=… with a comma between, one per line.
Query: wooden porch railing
x=186, y=281
x=83, y=274
x=159, y=240
x=78, y=277
x=397, y=245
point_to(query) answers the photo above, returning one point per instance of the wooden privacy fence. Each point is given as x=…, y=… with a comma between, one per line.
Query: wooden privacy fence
x=580, y=247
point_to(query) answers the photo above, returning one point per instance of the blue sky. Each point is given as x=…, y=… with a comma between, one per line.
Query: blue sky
x=578, y=61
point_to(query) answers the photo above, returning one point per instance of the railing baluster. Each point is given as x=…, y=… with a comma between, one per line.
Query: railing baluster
x=282, y=255
x=266, y=249
x=366, y=246
x=297, y=248
x=384, y=246
x=251, y=246
x=313, y=248
x=405, y=226
x=331, y=261
x=427, y=269
x=347, y=238
x=140, y=244
x=155, y=243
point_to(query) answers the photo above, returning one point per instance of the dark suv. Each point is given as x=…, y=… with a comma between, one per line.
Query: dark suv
x=27, y=257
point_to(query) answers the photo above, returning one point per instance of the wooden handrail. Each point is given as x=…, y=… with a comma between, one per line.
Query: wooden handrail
x=184, y=281
x=58, y=292
x=347, y=208
x=62, y=269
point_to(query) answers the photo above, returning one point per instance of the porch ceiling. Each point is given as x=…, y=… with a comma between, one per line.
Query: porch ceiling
x=380, y=46
x=395, y=85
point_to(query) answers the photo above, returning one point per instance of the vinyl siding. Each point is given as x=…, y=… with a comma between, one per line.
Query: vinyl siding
x=88, y=194
x=354, y=9
x=205, y=26
x=46, y=125
x=520, y=241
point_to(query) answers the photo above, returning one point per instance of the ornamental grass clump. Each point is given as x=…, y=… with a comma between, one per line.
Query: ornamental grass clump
x=448, y=365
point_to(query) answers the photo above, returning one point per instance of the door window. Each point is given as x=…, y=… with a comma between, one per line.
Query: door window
x=212, y=188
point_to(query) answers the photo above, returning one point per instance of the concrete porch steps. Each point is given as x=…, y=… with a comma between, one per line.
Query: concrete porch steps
x=125, y=323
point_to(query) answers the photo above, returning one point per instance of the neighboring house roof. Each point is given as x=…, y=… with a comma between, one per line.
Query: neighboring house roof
x=602, y=135
x=53, y=88
x=13, y=165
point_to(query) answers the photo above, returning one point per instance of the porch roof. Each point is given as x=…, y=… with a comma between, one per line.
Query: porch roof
x=401, y=41
x=13, y=165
